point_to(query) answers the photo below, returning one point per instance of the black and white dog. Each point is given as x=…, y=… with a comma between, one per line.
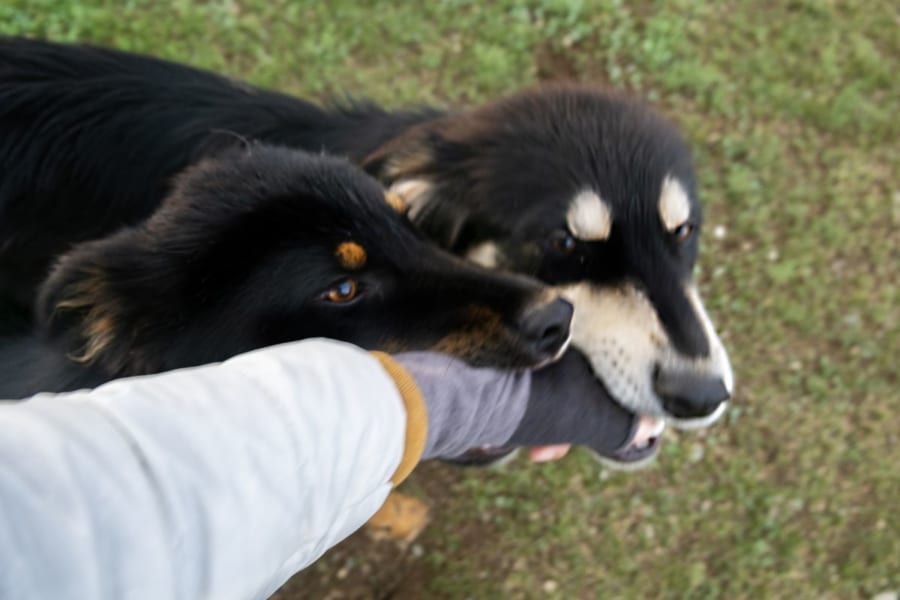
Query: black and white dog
x=590, y=193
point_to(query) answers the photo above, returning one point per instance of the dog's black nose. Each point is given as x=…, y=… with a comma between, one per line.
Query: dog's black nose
x=688, y=395
x=546, y=328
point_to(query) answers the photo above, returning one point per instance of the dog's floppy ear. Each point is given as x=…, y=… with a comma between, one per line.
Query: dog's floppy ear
x=443, y=220
x=427, y=171
x=96, y=301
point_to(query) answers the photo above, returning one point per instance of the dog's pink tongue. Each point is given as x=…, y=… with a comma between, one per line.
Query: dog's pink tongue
x=548, y=453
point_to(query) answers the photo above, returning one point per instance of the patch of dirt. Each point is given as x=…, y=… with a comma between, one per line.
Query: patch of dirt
x=554, y=64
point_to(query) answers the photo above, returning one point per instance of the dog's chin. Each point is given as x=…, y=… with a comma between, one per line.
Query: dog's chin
x=699, y=422
x=640, y=452
x=643, y=452
x=634, y=461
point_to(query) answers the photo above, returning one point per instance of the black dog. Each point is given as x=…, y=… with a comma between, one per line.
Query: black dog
x=262, y=246
x=588, y=192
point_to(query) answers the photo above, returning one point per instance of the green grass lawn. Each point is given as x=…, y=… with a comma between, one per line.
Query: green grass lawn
x=792, y=108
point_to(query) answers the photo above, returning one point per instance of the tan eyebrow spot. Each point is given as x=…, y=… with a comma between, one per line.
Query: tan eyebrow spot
x=589, y=217
x=351, y=255
x=674, y=204
x=396, y=202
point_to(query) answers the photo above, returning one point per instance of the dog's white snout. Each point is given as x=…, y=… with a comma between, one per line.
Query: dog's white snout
x=703, y=387
x=719, y=365
x=620, y=332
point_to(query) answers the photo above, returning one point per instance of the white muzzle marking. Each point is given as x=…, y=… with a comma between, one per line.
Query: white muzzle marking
x=620, y=333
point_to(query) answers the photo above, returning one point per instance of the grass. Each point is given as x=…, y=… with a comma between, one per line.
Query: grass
x=792, y=110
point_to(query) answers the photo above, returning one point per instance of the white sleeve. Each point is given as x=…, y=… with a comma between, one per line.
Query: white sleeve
x=213, y=482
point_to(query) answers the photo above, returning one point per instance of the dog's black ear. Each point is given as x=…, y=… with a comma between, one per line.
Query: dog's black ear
x=96, y=301
x=427, y=170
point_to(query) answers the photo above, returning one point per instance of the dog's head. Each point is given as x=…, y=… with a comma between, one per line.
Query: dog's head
x=596, y=196
x=267, y=245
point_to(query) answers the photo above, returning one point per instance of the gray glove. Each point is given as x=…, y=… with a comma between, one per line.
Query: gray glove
x=472, y=407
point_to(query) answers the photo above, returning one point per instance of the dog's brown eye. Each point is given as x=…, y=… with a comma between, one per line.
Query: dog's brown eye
x=343, y=291
x=562, y=242
x=683, y=232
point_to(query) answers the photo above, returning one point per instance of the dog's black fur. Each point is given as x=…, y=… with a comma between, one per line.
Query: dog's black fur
x=91, y=139
x=261, y=246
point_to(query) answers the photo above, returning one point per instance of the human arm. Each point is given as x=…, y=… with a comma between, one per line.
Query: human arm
x=222, y=481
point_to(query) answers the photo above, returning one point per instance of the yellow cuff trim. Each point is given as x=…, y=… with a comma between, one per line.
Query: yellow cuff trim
x=416, y=416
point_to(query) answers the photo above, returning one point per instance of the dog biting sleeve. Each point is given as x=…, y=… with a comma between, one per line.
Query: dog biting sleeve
x=466, y=406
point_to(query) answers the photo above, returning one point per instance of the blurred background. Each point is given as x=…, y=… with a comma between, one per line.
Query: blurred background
x=792, y=111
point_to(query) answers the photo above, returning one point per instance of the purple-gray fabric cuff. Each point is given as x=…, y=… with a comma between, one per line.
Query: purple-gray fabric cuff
x=467, y=406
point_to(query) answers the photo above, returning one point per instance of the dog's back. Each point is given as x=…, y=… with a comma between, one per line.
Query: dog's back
x=90, y=140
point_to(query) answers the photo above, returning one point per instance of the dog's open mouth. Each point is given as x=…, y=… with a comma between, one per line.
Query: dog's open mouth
x=643, y=446
x=644, y=443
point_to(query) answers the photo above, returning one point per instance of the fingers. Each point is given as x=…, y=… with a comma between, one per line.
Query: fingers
x=548, y=453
